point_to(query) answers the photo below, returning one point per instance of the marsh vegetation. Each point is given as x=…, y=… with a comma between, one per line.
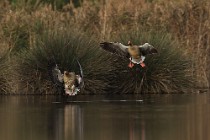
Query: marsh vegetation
x=35, y=33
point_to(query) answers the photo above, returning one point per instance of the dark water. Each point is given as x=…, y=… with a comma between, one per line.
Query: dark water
x=157, y=117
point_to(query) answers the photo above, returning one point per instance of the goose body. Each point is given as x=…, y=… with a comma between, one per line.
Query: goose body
x=69, y=81
x=136, y=53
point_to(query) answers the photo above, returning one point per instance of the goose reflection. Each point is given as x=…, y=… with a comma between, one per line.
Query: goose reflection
x=70, y=123
x=137, y=129
x=73, y=122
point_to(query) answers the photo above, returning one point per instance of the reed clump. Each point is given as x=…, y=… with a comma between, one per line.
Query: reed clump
x=168, y=71
x=63, y=47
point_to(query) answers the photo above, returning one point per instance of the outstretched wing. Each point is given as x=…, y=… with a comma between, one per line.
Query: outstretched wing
x=147, y=49
x=80, y=80
x=57, y=76
x=115, y=48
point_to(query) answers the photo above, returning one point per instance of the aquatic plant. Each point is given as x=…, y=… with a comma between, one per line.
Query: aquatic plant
x=167, y=72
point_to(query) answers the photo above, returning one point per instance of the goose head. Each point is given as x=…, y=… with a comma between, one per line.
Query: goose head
x=130, y=44
x=147, y=45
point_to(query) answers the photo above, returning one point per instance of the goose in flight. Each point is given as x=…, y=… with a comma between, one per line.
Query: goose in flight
x=136, y=53
x=69, y=81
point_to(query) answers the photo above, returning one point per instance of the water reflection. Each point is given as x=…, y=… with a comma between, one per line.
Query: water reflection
x=183, y=117
x=73, y=122
x=134, y=132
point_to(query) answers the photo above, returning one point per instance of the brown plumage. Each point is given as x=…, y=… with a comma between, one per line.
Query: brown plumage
x=69, y=78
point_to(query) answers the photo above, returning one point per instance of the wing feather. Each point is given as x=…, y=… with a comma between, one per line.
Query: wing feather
x=147, y=49
x=57, y=75
x=115, y=48
x=80, y=80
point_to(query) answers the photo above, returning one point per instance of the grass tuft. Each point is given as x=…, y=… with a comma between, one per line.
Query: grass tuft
x=166, y=72
x=63, y=47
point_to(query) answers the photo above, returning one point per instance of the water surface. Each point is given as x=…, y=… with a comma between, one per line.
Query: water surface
x=157, y=117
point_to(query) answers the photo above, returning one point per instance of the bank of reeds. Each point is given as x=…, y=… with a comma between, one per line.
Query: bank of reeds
x=188, y=23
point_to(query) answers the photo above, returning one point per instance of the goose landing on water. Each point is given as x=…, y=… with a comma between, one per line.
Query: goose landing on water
x=136, y=53
x=69, y=81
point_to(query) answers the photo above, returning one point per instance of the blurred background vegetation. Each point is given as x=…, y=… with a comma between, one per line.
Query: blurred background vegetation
x=179, y=29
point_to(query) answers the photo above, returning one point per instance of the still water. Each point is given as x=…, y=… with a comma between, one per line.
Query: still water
x=154, y=117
